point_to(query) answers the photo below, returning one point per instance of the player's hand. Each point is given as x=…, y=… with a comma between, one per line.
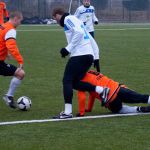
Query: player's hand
x=79, y=115
x=7, y=18
x=64, y=52
x=84, y=23
x=96, y=22
x=96, y=65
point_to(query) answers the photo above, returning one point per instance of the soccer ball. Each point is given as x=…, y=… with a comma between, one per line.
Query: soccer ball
x=24, y=103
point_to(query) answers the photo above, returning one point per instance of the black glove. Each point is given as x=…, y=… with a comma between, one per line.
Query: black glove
x=64, y=52
x=84, y=23
x=7, y=18
x=96, y=22
x=96, y=65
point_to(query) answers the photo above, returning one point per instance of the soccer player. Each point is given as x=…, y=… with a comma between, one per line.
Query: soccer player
x=8, y=47
x=82, y=48
x=86, y=13
x=3, y=12
x=118, y=95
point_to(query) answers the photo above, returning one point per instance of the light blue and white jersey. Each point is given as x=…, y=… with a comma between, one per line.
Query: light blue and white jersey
x=80, y=42
x=87, y=15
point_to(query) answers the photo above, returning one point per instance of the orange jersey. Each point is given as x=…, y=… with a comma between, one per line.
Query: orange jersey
x=8, y=43
x=3, y=12
x=97, y=79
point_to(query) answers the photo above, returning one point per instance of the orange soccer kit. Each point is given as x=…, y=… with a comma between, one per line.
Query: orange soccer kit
x=8, y=43
x=97, y=79
x=3, y=12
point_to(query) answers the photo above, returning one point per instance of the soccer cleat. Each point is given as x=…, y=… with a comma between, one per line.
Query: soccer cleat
x=143, y=109
x=9, y=100
x=62, y=115
x=104, y=95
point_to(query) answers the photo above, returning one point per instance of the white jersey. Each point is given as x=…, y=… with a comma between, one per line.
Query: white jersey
x=80, y=42
x=87, y=15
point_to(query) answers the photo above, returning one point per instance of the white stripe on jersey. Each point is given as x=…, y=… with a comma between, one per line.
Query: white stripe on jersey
x=10, y=34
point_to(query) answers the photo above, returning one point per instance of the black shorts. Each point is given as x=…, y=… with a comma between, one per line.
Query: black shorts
x=116, y=105
x=7, y=69
x=126, y=95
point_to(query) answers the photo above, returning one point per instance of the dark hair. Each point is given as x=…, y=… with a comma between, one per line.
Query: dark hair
x=15, y=13
x=59, y=11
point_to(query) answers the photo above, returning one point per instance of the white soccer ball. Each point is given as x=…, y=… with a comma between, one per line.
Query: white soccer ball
x=24, y=103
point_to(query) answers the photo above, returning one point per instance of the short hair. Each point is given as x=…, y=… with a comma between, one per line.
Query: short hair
x=59, y=11
x=15, y=13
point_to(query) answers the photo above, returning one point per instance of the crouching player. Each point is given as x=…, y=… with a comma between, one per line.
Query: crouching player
x=8, y=46
x=118, y=95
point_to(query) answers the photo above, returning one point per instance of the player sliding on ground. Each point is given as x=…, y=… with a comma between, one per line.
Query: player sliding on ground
x=118, y=95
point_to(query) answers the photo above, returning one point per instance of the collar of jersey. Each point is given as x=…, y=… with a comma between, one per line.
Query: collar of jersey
x=63, y=18
x=86, y=6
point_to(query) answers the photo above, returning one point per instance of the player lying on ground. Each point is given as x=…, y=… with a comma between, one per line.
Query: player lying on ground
x=118, y=95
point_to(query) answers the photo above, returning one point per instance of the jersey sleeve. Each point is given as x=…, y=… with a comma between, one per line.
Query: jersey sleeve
x=77, y=34
x=94, y=18
x=11, y=45
x=91, y=101
x=81, y=102
x=4, y=5
x=11, y=34
x=95, y=47
x=6, y=13
x=77, y=13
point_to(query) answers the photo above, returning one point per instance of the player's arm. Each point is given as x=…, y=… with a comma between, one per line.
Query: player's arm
x=94, y=18
x=91, y=101
x=81, y=102
x=96, y=53
x=95, y=47
x=11, y=45
x=78, y=34
x=77, y=13
x=6, y=12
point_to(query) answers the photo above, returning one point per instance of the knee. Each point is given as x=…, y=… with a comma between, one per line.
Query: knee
x=20, y=73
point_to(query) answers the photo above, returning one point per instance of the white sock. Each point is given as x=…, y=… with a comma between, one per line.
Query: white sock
x=15, y=82
x=68, y=109
x=128, y=109
x=149, y=100
x=99, y=89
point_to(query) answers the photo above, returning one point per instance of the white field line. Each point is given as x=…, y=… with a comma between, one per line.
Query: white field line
x=70, y=119
x=49, y=30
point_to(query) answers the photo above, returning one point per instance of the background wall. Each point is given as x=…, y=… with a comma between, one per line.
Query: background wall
x=106, y=10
